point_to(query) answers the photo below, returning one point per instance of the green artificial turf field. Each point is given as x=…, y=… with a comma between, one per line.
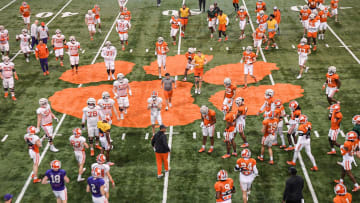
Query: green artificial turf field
x=192, y=175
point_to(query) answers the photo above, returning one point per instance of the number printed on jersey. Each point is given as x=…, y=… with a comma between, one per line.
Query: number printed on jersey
x=55, y=179
x=91, y=114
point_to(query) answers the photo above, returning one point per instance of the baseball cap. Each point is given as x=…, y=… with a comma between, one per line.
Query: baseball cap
x=8, y=197
x=42, y=23
x=162, y=126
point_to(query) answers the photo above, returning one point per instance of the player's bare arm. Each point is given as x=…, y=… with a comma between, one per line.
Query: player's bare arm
x=263, y=129
x=88, y=189
x=66, y=179
x=44, y=180
x=111, y=179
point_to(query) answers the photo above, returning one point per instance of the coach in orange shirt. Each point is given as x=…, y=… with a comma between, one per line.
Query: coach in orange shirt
x=25, y=12
x=162, y=150
x=42, y=54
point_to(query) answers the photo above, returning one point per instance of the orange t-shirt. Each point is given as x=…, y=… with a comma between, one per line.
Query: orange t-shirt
x=208, y=119
x=161, y=48
x=270, y=126
x=225, y=188
x=230, y=118
x=189, y=56
x=305, y=14
x=246, y=165
x=96, y=11
x=249, y=58
x=336, y=120
x=175, y=22
x=242, y=15
x=260, y=6
x=25, y=10
x=259, y=34
x=349, y=148
x=331, y=80
x=324, y=16
x=242, y=110
x=41, y=51
x=304, y=48
x=277, y=15
x=312, y=4
x=229, y=91
x=268, y=103
x=334, y=4
x=262, y=19
x=127, y=15
x=279, y=112
x=304, y=128
x=295, y=114
x=347, y=198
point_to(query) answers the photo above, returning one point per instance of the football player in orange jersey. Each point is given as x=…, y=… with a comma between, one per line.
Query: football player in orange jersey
x=347, y=151
x=248, y=171
x=96, y=11
x=160, y=51
x=304, y=132
x=335, y=117
x=240, y=120
x=126, y=13
x=334, y=9
x=269, y=128
x=224, y=187
x=277, y=15
x=303, y=51
x=189, y=57
x=34, y=143
x=244, y=18
x=249, y=58
x=259, y=36
x=236, y=5
x=269, y=106
x=230, y=132
x=208, y=118
x=211, y=18
x=293, y=124
x=304, y=17
x=25, y=11
x=313, y=28
x=324, y=14
x=175, y=24
x=229, y=94
x=261, y=19
x=342, y=196
x=260, y=6
x=332, y=84
x=279, y=113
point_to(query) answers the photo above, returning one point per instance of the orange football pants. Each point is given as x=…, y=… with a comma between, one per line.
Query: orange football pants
x=160, y=158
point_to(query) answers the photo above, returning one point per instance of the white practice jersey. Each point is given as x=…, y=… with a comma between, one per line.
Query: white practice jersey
x=106, y=106
x=24, y=40
x=109, y=53
x=58, y=41
x=77, y=142
x=43, y=32
x=104, y=169
x=154, y=105
x=91, y=115
x=31, y=141
x=7, y=69
x=121, y=88
x=122, y=25
x=73, y=48
x=45, y=113
x=4, y=37
x=90, y=19
x=33, y=30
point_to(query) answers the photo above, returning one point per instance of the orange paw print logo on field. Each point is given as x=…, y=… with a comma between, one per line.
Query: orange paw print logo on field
x=253, y=95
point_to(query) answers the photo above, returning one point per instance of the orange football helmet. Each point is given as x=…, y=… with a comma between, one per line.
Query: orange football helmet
x=77, y=132
x=340, y=189
x=293, y=105
x=303, y=119
x=334, y=108
x=278, y=103
x=222, y=175
x=100, y=159
x=246, y=153
x=356, y=120
x=31, y=130
x=351, y=136
x=55, y=164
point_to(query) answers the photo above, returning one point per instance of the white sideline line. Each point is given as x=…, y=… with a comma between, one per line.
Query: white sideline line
x=342, y=133
x=261, y=51
x=179, y=44
x=4, y=138
x=53, y=18
x=147, y=136
x=123, y=136
x=166, y=180
x=293, y=46
x=21, y=195
x=316, y=133
x=7, y=5
x=194, y=135
x=218, y=135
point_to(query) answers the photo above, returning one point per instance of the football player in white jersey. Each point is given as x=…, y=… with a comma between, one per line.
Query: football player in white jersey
x=45, y=118
x=4, y=41
x=7, y=71
x=122, y=27
x=74, y=47
x=109, y=54
x=57, y=42
x=78, y=142
x=90, y=22
x=120, y=90
x=34, y=143
x=91, y=114
x=105, y=172
x=24, y=43
x=155, y=105
x=106, y=105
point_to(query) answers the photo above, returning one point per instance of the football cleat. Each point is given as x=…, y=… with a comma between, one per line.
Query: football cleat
x=37, y=180
x=356, y=189
x=201, y=150
x=261, y=159
x=160, y=176
x=331, y=153
x=55, y=164
x=222, y=174
x=315, y=168
x=91, y=152
x=271, y=162
x=282, y=146
x=291, y=163
x=244, y=145
x=53, y=148
x=6, y=94
x=289, y=148
x=210, y=150
x=97, y=146
x=234, y=154
x=226, y=156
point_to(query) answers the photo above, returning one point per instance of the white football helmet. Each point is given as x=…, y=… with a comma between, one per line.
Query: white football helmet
x=160, y=40
x=91, y=102
x=269, y=93
x=261, y=13
x=312, y=16
x=72, y=39
x=122, y=17
x=24, y=31
x=6, y=59
x=315, y=12
x=246, y=153
x=249, y=49
x=332, y=70
x=227, y=82
x=204, y=110
x=239, y=101
x=303, y=41
x=120, y=77
x=305, y=7
x=58, y=32
x=43, y=102
x=107, y=44
x=105, y=95
x=154, y=95
x=190, y=50
x=90, y=12
x=242, y=8
x=275, y=8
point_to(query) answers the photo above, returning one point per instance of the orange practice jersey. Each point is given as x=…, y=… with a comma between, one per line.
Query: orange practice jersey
x=208, y=119
x=303, y=48
x=249, y=58
x=242, y=15
x=312, y=4
x=324, y=16
x=304, y=128
x=305, y=14
x=25, y=10
x=189, y=56
x=161, y=48
x=347, y=198
x=262, y=19
x=225, y=188
x=295, y=114
x=259, y=34
x=260, y=6
x=350, y=148
x=229, y=91
x=242, y=110
x=41, y=51
x=334, y=4
x=270, y=126
x=277, y=15
x=336, y=120
x=331, y=80
x=279, y=112
x=230, y=118
x=96, y=11
x=175, y=22
x=268, y=103
x=246, y=165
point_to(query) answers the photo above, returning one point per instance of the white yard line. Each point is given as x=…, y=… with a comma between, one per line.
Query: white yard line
x=179, y=44
x=146, y=136
x=53, y=18
x=123, y=136
x=194, y=135
x=293, y=46
x=166, y=179
x=4, y=138
x=218, y=135
x=7, y=5
x=342, y=133
x=21, y=195
x=316, y=133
